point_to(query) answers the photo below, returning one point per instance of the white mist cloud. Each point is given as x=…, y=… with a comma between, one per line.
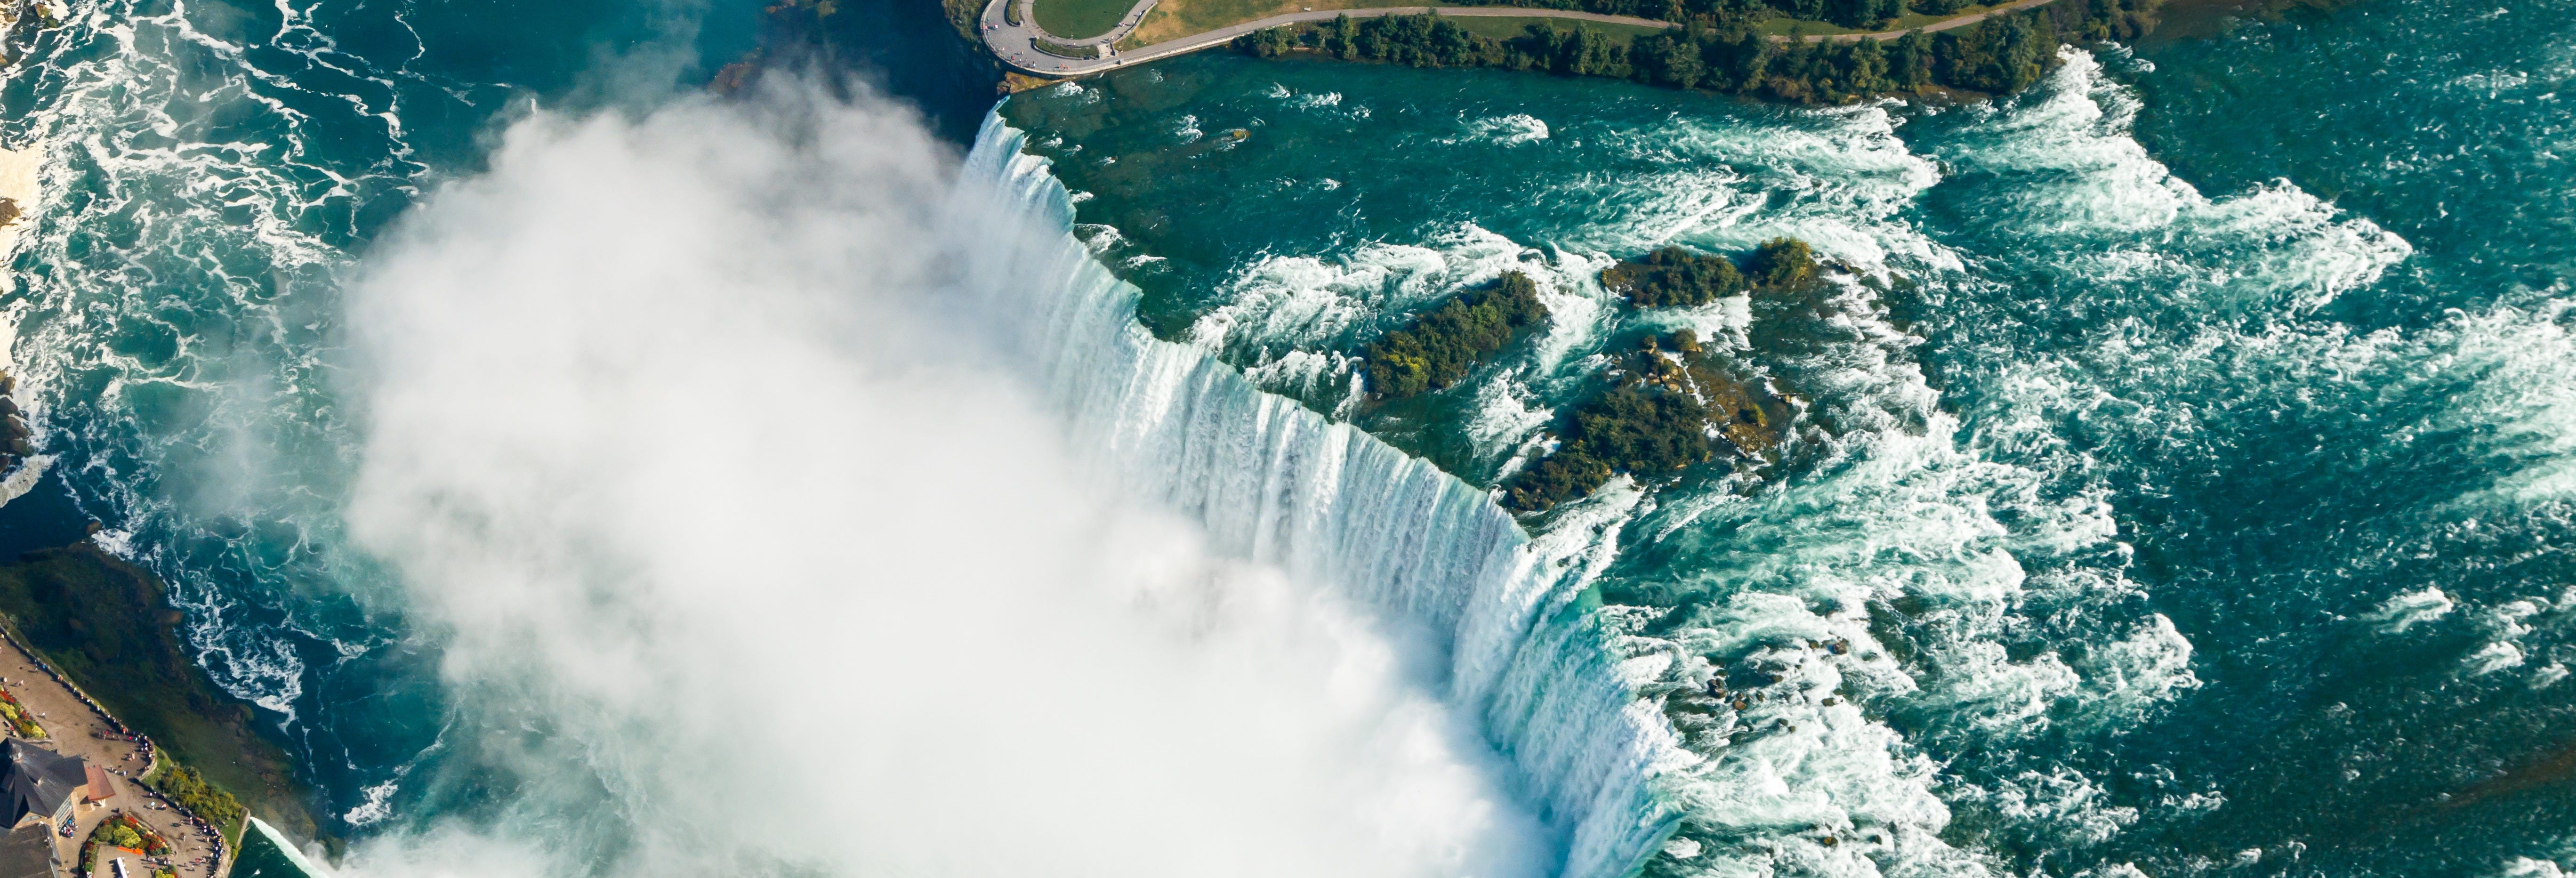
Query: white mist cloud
x=750, y=565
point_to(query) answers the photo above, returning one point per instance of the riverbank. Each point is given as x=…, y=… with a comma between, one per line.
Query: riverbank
x=1017, y=43
x=1997, y=55
x=106, y=627
x=73, y=724
x=1158, y=29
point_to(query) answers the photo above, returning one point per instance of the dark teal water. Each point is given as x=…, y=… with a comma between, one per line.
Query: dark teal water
x=2191, y=470
x=2191, y=473
x=213, y=171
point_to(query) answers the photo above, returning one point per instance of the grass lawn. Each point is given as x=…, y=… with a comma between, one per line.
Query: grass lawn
x=1080, y=19
x=1174, y=19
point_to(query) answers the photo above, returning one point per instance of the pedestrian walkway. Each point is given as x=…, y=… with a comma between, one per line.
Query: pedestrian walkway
x=76, y=726
x=1017, y=44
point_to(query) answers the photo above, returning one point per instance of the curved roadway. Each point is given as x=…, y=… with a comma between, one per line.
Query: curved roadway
x=1943, y=24
x=1016, y=44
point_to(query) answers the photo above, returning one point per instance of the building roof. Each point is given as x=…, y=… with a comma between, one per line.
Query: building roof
x=34, y=780
x=27, y=852
x=101, y=787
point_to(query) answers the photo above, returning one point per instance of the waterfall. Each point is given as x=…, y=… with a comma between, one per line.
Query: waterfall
x=1275, y=482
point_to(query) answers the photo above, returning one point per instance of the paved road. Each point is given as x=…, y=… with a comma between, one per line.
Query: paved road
x=73, y=729
x=1012, y=43
x=1944, y=24
x=1015, y=44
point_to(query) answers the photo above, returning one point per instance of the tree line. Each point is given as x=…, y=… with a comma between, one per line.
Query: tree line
x=1723, y=52
x=1872, y=14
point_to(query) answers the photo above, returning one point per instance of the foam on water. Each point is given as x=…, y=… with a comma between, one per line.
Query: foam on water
x=206, y=169
x=2096, y=326
x=1897, y=506
x=171, y=318
x=1279, y=483
x=2135, y=222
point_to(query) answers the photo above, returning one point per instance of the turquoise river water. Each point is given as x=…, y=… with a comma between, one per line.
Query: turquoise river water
x=2188, y=458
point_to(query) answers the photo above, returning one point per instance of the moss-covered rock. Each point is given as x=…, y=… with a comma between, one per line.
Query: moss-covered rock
x=1441, y=347
x=1668, y=407
x=1784, y=264
x=1674, y=278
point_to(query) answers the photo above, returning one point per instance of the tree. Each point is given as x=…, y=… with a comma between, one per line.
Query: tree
x=1910, y=64
x=1270, y=43
x=1674, y=277
x=1670, y=60
x=1865, y=69
x=1785, y=264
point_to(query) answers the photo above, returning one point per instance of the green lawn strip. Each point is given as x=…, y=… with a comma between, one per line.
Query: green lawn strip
x=1502, y=28
x=1080, y=19
x=1060, y=50
x=108, y=625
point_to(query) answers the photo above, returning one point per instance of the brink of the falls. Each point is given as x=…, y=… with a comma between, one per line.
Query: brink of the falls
x=1275, y=482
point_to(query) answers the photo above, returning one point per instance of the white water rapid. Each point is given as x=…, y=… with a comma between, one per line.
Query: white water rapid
x=1277, y=483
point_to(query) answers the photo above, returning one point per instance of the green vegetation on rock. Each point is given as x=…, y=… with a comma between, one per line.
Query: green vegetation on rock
x=1674, y=278
x=1725, y=52
x=108, y=624
x=1443, y=346
x=1668, y=408
x=1785, y=264
x=1879, y=14
x=210, y=803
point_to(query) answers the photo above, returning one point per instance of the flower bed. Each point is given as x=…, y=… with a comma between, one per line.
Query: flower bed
x=19, y=717
x=124, y=831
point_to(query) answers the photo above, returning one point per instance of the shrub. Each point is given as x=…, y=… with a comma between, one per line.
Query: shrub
x=190, y=789
x=1784, y=264
x=1674, y=277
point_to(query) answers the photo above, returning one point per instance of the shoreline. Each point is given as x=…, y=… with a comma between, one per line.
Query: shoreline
x=1003, y=34
x=999, y=35
x=47, y=696
x=102, y=627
